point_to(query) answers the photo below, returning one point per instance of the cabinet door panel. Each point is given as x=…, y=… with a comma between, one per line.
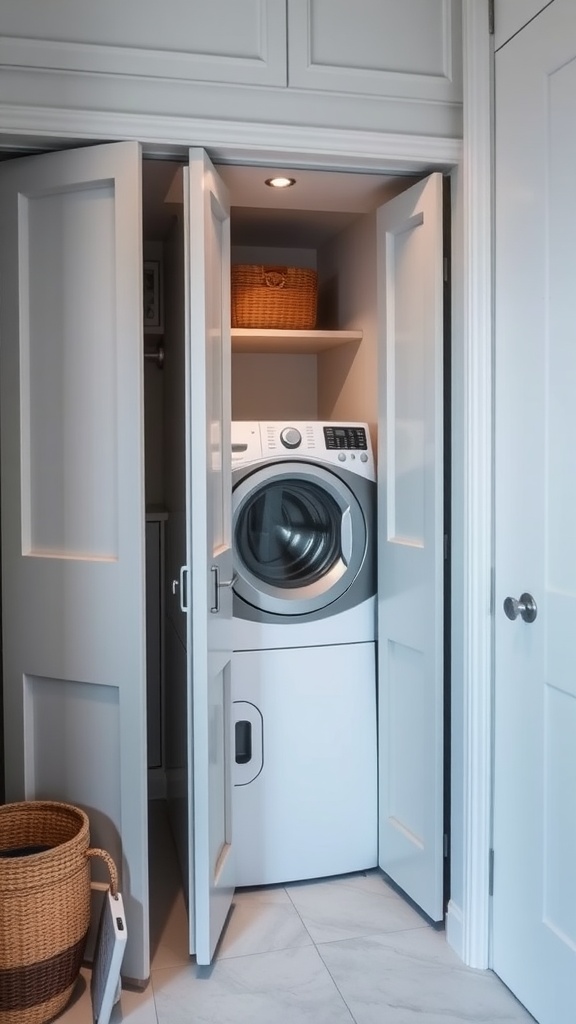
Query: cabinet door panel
x=222, y=41
x=408, y=48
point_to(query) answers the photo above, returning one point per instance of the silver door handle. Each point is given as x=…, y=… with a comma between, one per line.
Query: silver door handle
x=183, y=583
x=525, y=607
x=218, y=584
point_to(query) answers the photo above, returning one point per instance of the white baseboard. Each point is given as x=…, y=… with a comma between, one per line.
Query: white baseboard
x=455, y=929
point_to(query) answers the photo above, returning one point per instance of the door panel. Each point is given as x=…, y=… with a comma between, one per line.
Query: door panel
x=73, y=500
x=534, y=907
x=195, y=42
x=411, y=544
x=209, y=591
x=372, y=48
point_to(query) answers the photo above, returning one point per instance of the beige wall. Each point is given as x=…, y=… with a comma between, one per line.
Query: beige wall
x=270, y=387
x=347, y=376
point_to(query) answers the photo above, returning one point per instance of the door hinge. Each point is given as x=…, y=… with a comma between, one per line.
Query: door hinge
x=491, y=16
x=446, y=270
x=445, y=837
x=446, y=547
x=491, y=873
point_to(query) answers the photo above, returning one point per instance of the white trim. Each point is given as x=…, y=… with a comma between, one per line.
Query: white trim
x=454, y=926
x=478, y=510
x=232, y=141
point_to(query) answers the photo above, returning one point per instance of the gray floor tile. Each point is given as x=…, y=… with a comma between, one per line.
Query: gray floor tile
x=413, y=976
x=346, y=908
x=368, y=881
x=261, y=921
x=288, y=987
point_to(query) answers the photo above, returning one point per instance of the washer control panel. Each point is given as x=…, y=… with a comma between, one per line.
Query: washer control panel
x=345, y=437
x=337, y=444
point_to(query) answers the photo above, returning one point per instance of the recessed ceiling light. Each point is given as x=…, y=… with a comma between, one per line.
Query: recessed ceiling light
x=280, y=182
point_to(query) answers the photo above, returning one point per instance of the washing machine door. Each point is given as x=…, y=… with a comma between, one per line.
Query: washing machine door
x=300, y=538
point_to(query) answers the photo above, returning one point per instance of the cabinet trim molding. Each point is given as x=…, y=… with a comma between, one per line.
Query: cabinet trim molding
x=318, y=147
x=468, y=923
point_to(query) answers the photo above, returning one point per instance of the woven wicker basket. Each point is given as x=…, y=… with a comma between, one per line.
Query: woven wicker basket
x=283, y=298
x=44, y=907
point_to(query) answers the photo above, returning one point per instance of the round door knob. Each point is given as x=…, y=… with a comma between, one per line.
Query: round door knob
x=290, y=437
x=525, y=607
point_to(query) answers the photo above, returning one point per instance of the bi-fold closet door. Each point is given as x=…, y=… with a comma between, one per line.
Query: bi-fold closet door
x=73, y=515
x=412, y=543
x=73, y=521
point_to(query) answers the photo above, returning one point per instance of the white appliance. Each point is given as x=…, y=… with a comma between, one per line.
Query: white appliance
x=304, y=677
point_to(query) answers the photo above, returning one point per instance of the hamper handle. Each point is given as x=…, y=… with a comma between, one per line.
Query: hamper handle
x=274, y=277
x=110, y=865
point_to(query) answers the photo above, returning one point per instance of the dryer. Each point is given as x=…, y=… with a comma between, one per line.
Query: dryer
x=304, y=674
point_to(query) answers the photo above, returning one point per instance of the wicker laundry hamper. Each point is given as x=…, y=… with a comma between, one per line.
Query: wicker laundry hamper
x=282, y=298
x=44, y=907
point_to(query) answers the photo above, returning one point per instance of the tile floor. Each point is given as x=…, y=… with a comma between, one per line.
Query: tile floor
x=338, y=951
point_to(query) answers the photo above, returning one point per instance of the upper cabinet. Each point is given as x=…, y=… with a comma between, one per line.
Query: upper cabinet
x=220, y=41
x=511, y=15
x=367, y=65
x=410, y=50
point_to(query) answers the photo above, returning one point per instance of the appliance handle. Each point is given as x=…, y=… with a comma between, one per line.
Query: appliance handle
x=183, y=588
x=218, y=583
x=243, y=741
x=215, y=607
x=346, y=537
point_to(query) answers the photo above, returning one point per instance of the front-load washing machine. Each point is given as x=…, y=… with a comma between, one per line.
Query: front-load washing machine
x=304, y=675
x=303, y=504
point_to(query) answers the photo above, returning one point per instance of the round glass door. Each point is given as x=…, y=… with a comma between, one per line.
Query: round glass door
x=299, y=538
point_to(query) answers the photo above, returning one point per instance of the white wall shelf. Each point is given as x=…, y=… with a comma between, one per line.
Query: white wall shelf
x=311, y=342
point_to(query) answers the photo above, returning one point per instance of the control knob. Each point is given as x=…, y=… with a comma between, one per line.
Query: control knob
x=290, y=437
